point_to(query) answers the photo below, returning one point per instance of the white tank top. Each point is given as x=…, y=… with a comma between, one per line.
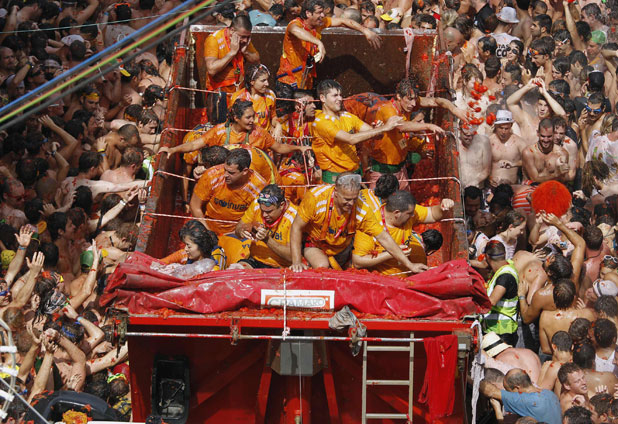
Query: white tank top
x=604, y=365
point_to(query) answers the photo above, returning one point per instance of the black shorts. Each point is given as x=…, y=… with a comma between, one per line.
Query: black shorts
x=255, y=264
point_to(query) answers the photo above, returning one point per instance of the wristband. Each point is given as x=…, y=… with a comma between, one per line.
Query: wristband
x=124, y=203
x=78, y=320
x=93, y=269
x=103, y=154
x=21, y=248
x=521, y=297
x=101, y=150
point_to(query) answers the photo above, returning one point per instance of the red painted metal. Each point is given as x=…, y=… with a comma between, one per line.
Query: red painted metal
x=233, y=382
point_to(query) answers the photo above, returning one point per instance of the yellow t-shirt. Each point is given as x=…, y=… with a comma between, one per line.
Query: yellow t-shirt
x=223, y=203
x=332, y=155
x=280, y=234
x=393, y=146
x=264, y=107
x=314, y=209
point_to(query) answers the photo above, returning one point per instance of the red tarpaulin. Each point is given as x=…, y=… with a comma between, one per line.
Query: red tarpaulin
x=449, y=291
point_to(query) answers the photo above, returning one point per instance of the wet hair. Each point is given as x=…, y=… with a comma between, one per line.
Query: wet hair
x=406, y=87
x=33, y=209
x=563, y=35
x=253, y=72
x=132, y=112
x=492, y=66
x=593, y=237
x=325, y=86
x=75, y=127
x=607, y=305
x=579, y=330
x=601, y=402
x=195, y=231
x=83, y=199
x=26, y=172
x=132, y=156
x=470, y=71
x=401, y=200
x=240, y=158
x=386, y=185
x=109, y=202
x=514, y=71
x=274, y=190
x=432, y=239
x=51, y=252
x=473, y=192
x=579, y=57
x=310, y=6
x=584, y=355
x=605, y=332
x=55, y=222
x=213, y=155
x=559, y=88
x=98, y=387
x=152, y=93
x=577, y=415
x=512, y=218
x=562, y=341
x=488, y=44
x=543, y=21
x=593, y=169
x=564, y=293
x=242, y=22
x=495, y=250
x=593, y=10
x=238, y=109
x=596, y=83
x=464, y=25
x=562, y=64
x=146, y=116
x=567, y=369
x=89, y=160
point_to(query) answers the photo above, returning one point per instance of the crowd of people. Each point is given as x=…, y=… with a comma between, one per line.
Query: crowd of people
x=291, y=172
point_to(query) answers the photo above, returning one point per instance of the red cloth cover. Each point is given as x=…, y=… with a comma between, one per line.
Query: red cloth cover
x=438, y=390
x=449, y=291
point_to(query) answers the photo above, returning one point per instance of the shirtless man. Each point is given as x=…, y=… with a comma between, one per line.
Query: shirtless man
x=528, y=122
x=560, y=139
x=584, y=356
x=565, y=296
x=530, y=268
x=595, y=252
x=561, y=345
x=574, y=387
x=504, y=357
x=506, y=147
x=131, y=162
x=545, y=161
x=474, y=157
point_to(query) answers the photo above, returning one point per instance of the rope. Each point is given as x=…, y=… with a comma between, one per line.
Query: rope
x=165, y=215
x=111, y=59
x=205, y=131
x=477, y=370
x=201, y=90
x=286, y=329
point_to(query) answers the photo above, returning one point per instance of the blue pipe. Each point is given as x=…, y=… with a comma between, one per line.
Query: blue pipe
x=94, y=58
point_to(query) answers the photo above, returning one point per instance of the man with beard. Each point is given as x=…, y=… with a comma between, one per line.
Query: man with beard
x=545, y=161
x=544, y=107
x=267, y=223
x=506, y=148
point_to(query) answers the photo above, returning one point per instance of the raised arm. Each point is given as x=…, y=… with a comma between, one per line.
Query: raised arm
x=23, y=239
x=514, y=100
x=21, y=296
x=577, y=256
x=367, y=133
x=572, y=28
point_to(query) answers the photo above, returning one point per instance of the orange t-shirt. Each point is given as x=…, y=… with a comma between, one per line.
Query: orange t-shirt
x=264, y=106
x=394, y=145
x=292, y=176
x=295, y=53
x=218, y=136
x=217, y=45
x=332, y=155
x=280, y=233
x=223, y=203
x=332, y=238
x=362, y=105
x=198, y=132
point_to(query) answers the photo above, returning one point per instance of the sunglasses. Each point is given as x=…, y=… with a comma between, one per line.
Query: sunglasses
x=610, y=261
x=589, y=109
x=533, y=52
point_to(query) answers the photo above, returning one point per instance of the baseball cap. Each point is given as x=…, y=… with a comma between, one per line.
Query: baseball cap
x=507, y=15
x=503, y=117
x=493, y=344
x=604, y=288
x=69, y=39
x=598, y=37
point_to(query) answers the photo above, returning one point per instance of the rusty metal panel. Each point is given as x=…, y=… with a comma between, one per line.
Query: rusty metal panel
x=349, y=58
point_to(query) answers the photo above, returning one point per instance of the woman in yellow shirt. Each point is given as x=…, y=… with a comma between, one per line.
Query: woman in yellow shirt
x=256, y=91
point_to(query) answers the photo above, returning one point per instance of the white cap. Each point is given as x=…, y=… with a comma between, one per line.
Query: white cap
x=493, y=344
x=503, y=117
x=507, y=15
x=604, y=288
x=69, y=39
